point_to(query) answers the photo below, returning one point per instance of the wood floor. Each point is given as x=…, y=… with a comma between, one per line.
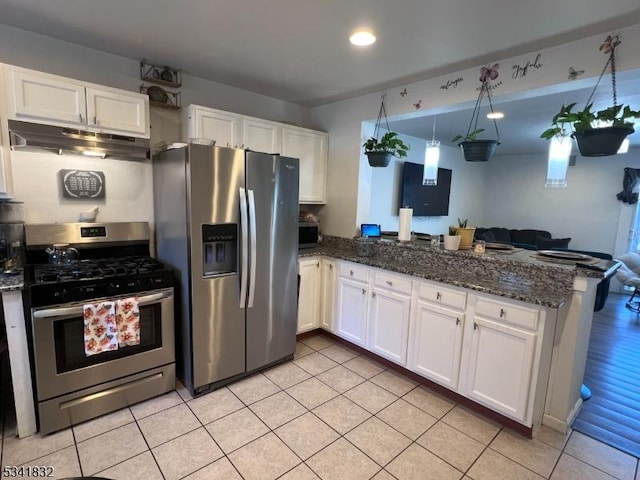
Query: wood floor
x=612, y=415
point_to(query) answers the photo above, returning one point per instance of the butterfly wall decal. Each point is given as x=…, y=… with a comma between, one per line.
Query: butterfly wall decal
x=403, y=93
x=573, y=73
x=611, y=42
x=418, y=104
x=489, y=72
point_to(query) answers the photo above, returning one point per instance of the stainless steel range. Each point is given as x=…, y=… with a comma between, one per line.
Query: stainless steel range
x=93, y=263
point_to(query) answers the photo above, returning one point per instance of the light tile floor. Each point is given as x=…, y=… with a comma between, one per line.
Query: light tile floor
x=329, y=414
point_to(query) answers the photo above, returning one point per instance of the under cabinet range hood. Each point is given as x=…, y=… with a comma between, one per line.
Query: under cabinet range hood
x=36, y=137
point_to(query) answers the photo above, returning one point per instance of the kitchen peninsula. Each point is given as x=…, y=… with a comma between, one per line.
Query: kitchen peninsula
x=508, y=331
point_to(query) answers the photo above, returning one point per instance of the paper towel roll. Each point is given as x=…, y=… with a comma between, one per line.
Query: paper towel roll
x=404, y=229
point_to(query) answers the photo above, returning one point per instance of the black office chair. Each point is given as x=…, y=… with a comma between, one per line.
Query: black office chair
x=602, y=292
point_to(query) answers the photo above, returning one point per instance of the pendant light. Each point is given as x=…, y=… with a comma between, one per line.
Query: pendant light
x=559, y=153
x=431, y=160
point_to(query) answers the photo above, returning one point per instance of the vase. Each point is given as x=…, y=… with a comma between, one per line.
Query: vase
x=601, y=142
x=452, y=242
x=466, y=237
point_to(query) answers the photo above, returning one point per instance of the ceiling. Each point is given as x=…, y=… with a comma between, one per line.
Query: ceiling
x=297, y=50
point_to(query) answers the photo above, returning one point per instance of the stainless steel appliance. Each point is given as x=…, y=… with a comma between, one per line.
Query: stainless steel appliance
x=27, y=136
x=308, y=234
x=114, y=263
x=227, y=221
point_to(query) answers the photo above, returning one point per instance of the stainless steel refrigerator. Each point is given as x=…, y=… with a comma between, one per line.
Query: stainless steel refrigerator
x=226, y=220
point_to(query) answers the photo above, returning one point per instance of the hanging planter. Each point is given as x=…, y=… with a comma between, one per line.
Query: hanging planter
x=478, y=150
x=598, y=134
x=379, y=150
x=474, y=149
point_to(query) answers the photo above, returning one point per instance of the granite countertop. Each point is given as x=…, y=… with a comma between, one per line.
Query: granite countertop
x=517, y=275
x=11, y=281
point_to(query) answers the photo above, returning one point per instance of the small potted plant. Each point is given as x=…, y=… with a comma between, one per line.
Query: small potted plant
x=466, y=234
x=452, y=241
x=380, y=151
x=597, y=133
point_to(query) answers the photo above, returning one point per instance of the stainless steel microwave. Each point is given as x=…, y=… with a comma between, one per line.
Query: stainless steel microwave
x=308, y=234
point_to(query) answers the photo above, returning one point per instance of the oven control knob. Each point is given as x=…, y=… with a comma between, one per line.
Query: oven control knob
x=60, y=294
x=113, y=288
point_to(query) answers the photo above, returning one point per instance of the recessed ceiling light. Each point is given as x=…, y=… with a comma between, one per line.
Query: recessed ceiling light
x=495, y=115
x=362, y=38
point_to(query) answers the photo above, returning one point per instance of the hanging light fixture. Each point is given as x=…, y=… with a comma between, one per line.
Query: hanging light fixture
x=559, y=153
x=431, y=159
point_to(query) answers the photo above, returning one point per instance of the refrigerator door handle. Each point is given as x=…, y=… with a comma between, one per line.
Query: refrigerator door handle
x=252, y=255
x=244, y=247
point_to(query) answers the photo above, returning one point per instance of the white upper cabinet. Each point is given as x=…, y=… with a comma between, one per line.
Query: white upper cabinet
x=43, y=98
x=240, y=131
x=121, y=111
x=311, y=148
x=260, y=135
x=207, y=123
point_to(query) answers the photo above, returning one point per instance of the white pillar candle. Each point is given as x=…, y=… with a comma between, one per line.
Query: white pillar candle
x=404, y=229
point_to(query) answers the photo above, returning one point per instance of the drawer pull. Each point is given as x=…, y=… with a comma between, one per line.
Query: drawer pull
x=438, y=296
x=81, y=119
x=457, y=321
x=503, y=312
x=373, y=294
x=331, y=266
x=351, y=273
x=389, y=283
x=475, y=326
x=318, y=265
x=364, y=291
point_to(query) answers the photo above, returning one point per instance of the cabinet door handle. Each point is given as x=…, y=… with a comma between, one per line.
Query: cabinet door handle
x=475, y=326
x=318, y=265
x=438, y=296
x=364, y=291
x=81, y=119
x=503, y=312
x=457, y=321
x=373, y=294
x=389, y=283
x=331, y=266
x=351, y=273
x=95, y=120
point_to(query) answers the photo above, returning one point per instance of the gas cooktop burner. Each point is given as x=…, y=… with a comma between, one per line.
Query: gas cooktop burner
x=95, y=269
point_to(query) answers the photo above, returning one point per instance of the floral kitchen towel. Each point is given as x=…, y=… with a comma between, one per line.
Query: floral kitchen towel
x=128, y=320
x=100, y=331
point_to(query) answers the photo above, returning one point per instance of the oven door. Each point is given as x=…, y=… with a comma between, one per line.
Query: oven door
x=58, y=336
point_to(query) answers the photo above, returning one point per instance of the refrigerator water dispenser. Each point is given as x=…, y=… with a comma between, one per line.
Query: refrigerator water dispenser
x=219, y=249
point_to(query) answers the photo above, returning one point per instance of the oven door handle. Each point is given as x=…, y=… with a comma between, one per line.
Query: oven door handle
x=78, y=309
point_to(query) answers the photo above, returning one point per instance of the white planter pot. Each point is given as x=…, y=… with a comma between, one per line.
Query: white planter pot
x=452, y=242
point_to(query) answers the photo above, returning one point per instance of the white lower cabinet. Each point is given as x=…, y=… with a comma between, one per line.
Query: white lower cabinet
x=352, y=303
x=309, y=294
x=328, y=305
x=388, y=321
x=435, y=347
x=501, y=365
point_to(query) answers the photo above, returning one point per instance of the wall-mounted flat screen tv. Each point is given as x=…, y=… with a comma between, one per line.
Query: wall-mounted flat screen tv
x=426, y=201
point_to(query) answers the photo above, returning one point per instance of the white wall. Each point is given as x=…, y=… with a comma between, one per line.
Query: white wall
x=128, y=186
x=349, y=184
x=466, y=199
x=587, y=210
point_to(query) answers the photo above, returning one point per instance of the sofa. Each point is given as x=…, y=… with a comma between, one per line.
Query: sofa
x=529, y=239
